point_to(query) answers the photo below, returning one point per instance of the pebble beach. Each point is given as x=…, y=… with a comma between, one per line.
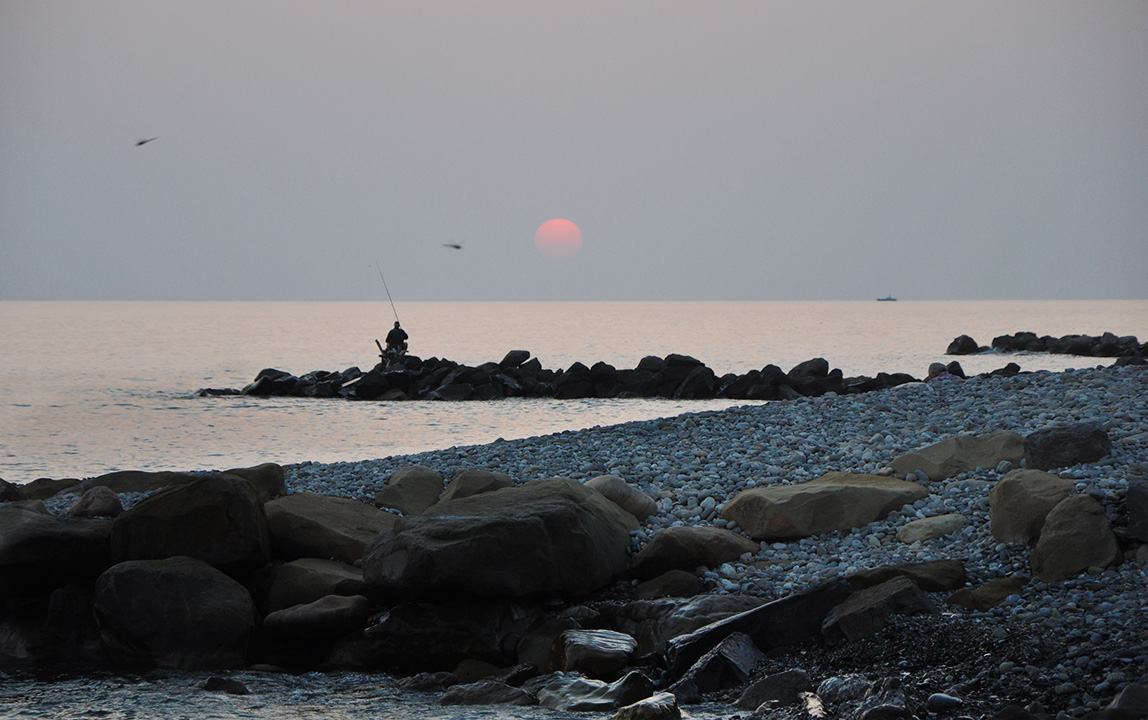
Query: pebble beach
x=694, y=463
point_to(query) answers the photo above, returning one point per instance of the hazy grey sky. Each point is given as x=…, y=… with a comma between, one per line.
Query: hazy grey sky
x=707, y=150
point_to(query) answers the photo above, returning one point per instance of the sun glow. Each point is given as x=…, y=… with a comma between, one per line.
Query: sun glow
x=558, y=239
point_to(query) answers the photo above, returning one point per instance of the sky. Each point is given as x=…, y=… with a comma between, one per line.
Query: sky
x=736, y=150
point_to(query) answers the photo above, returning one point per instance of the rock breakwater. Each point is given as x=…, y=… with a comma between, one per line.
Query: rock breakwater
x=1127, y=347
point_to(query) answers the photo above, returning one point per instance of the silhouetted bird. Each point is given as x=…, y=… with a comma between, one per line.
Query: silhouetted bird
x=453, y=246
x=144, y=142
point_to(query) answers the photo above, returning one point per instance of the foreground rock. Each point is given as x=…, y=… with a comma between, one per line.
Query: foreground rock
x=321, y=526
x=547, y=537
x=40, y=552
x=1075, y=537
x=955, y=455
x=687, y=548
x=178, y=613
x=1066, y=445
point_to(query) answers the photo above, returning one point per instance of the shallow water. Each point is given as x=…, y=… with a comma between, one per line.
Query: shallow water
x=87, y=388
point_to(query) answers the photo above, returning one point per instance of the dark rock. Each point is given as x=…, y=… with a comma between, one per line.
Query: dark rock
x=962, y=345
x=931, y=576
x=411, y=490
x=10, y=492
x=783, y=688
x=663, y=706
x=535, y=644
x=97, y=502
x=323, y=526
x=136, y=481
x=308, y=579
x=570, y=692
x=547, y=537
x=672, y=583
x=884, y=701
x=1066, y=445
x=731, y=662
x=178, y=612
x=688, y=547
x=653, y=623
x=787, y=621
x=325, y=618
x=954, y=368
x=444, y=635
x=267, y=479
x=989, y=595
x=44, y=488
x=514, y=358
x=429, y=682
x=39, y=551
x=486, y=692
x=868, y=610
x=942, y=703
x=218, y=519
x=597, y=653
x=473, y=482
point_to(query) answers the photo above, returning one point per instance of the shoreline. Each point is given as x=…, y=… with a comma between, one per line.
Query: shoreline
x=695, y=463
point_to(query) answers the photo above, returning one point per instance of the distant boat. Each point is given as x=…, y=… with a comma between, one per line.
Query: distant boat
x=887, y=298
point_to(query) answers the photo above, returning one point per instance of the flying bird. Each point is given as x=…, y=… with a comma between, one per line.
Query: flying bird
x=144, y=142
x=453, y=246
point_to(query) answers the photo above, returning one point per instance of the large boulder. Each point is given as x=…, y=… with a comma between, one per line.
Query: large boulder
x=44, y=488
x=547, y=537
x=473, y=482
x=663, y=706
x=687, y=547
x=731, y=662
x=626, y=496
x=1075, y=537
x=962, y=345
x=962, y=453
x=137, y=481
x=39, y=551
x=218, y=519
x=931, y=528
x=178, y=612
x=268, y=479
x=486, y=692
x=1136, y=504
x=1019, y=502
x=989, y=595
x=308, y=579
x=97, y=502
x=323, y=526
x=653, y=623
x=411, y=490
x=1066, y=445
x=835, y=501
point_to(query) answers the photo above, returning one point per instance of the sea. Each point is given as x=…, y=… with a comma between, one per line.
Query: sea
x=88, y=388
x=91, y=387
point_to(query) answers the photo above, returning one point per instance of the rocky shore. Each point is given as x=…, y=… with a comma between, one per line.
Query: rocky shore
x=1126, y=347
x=948, y=549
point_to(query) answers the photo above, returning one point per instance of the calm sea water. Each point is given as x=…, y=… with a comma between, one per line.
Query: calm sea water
x=87, y=388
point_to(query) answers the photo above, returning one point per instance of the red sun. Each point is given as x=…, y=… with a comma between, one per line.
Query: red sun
x=558, y=239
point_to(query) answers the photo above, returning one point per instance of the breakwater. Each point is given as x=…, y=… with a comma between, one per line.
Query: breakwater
x=1104, y=345
x=518, y=374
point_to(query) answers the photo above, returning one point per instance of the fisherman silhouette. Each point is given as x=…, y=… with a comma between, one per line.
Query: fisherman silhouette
x=397, y=341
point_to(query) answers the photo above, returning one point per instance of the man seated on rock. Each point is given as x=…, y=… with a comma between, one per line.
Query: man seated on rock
x=939, y=373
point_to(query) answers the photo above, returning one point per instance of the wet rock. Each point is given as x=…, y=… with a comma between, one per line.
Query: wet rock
x=835, y=501
x=884, y=701
x=942, y=703
x=962, y=453
x=411, y=490
x=688, y=547
x=547, y=537
x=429, y=682
x=596, y=653
x=672, y=583
x=663, y=706
x=1066, y=445
x=1020, y=502
x=97, y=502
x=783, y=688
x=486, y=692
x=473, y=482
x=867, y=611
x=653, y=623
x=305, y=525
x=989, y=595
x=178, y=612
x=731, y=662
x=218, y=519
x=1075, y=537
x=626, y=496
x=571, y=692
x=844, y=688
x=931, y=576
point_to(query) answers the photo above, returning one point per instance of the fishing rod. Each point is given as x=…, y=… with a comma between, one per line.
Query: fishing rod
x=380, y=269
